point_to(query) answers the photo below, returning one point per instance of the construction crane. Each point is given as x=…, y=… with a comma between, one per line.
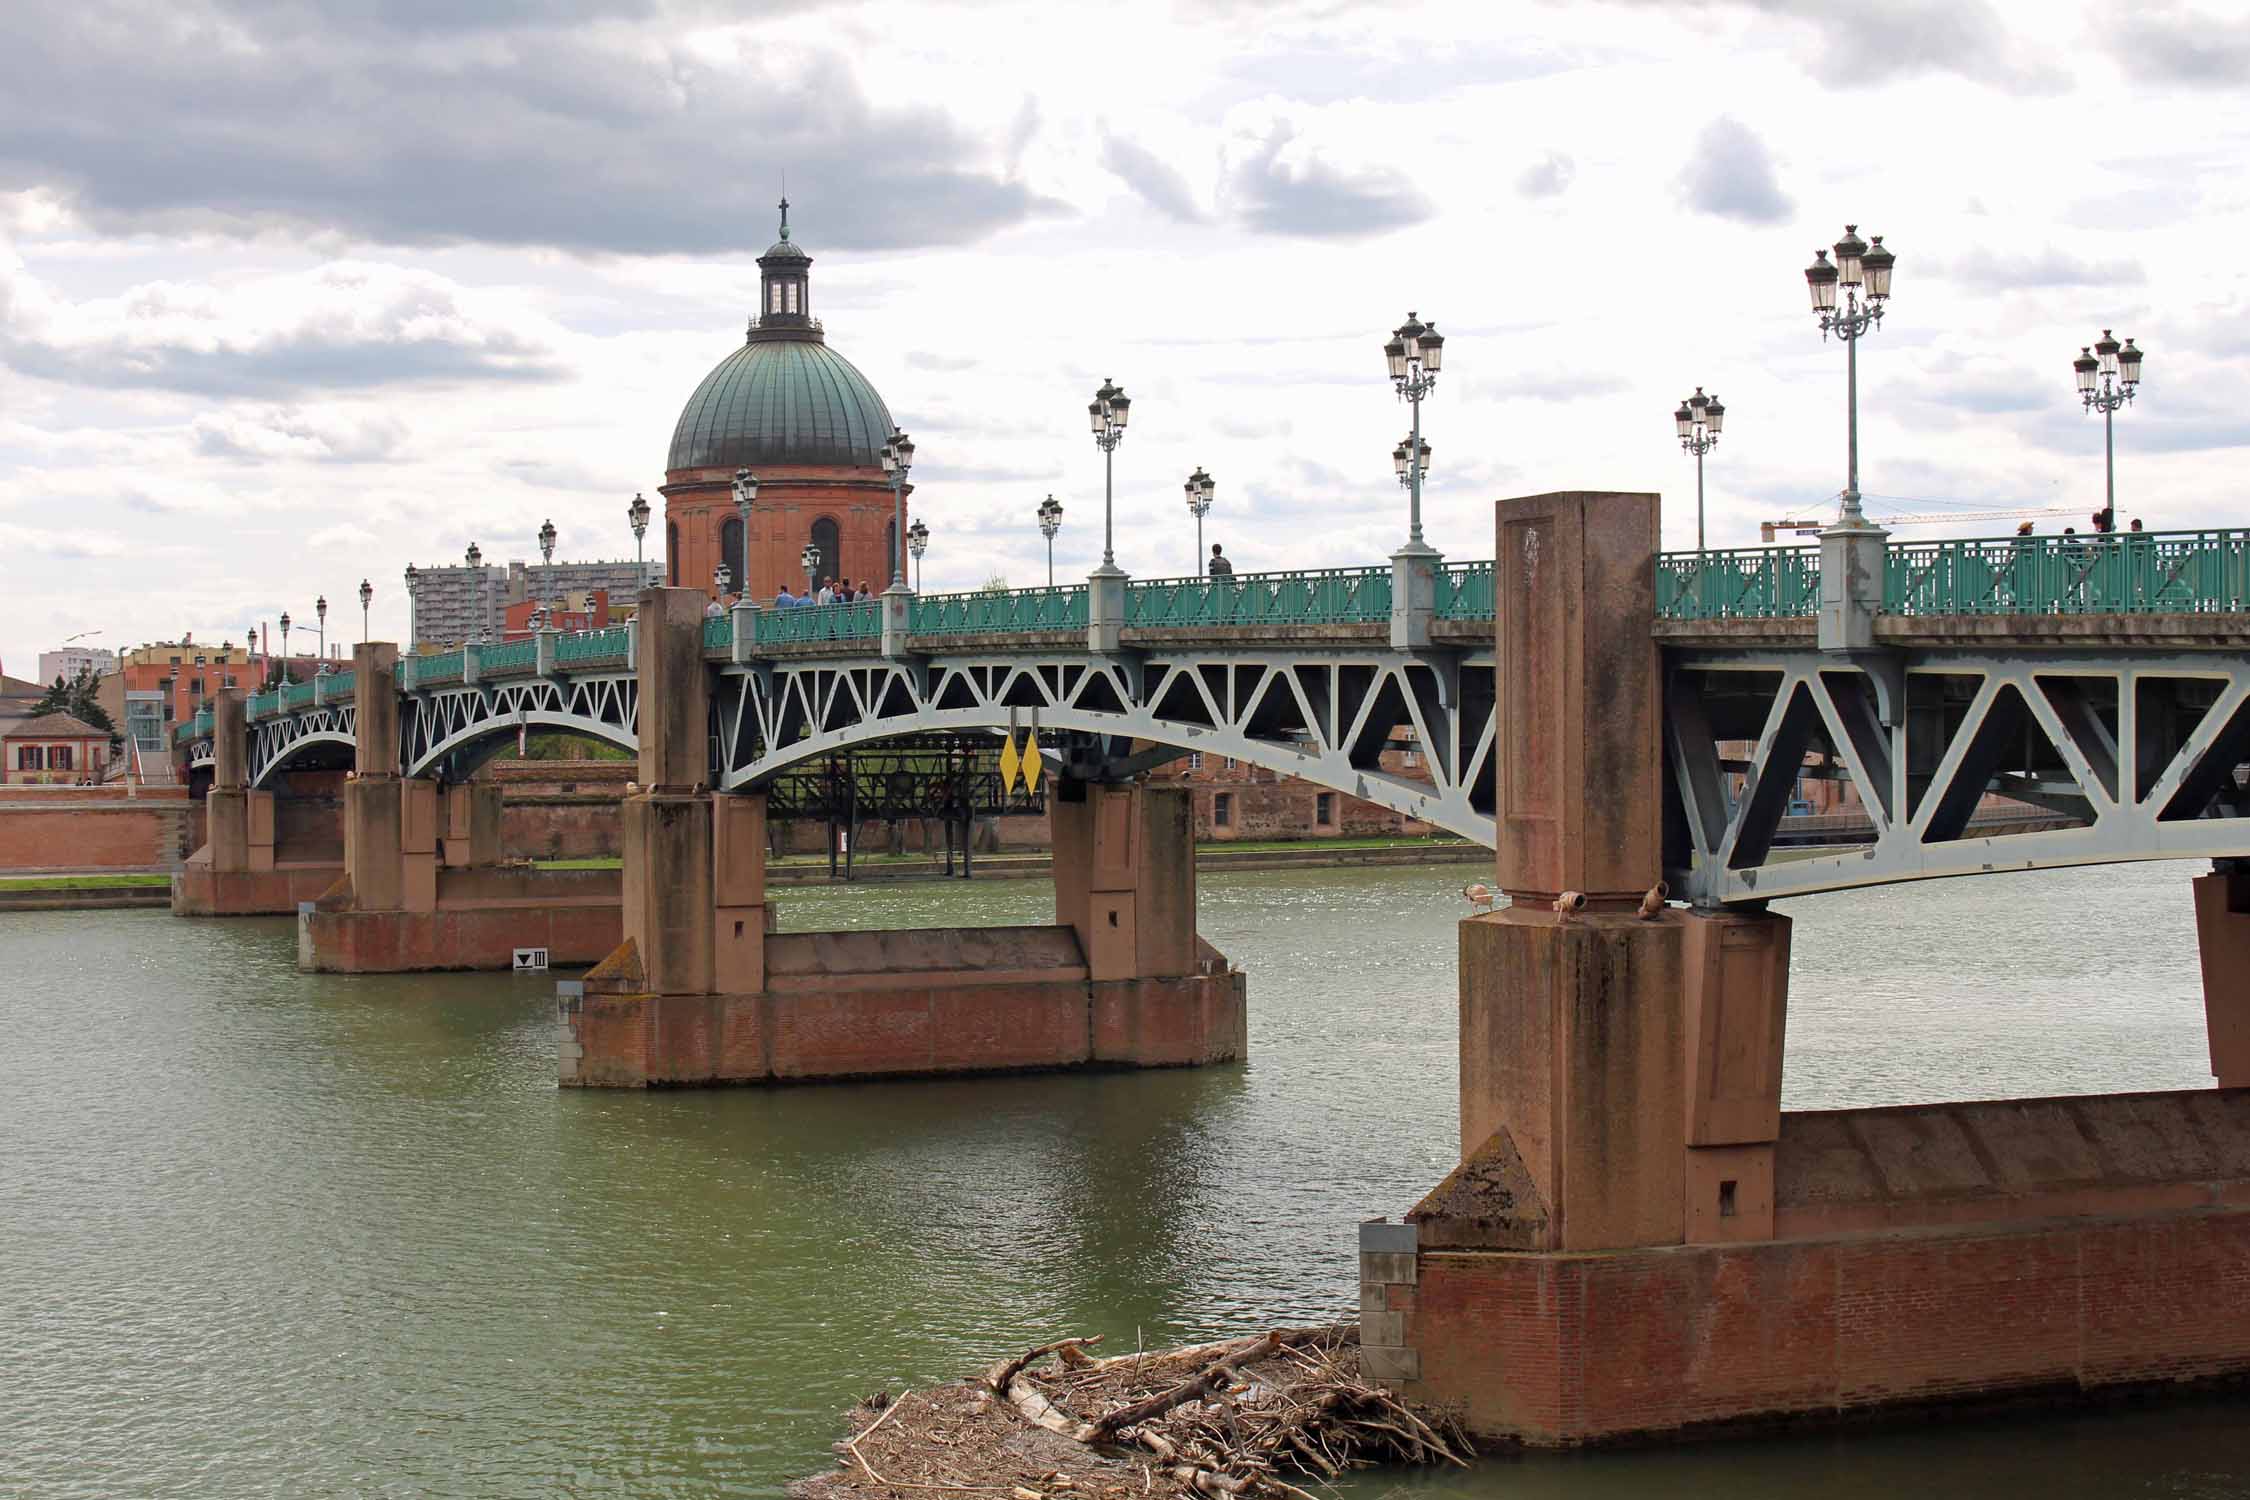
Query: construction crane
x=1768, y=530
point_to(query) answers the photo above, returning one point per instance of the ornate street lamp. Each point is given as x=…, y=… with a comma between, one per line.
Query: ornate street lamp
x=1199, y=492
x=917, y=542
x=1412, y=356
x=285, y=645
x=320, y=610
x=898, y=457
x=637, y=513
x=1699, y=420
x=1108, y=412
x=366, y=597
x=809, y=559
x=546, y=568
x=745, y=496
x=1050, y=522
x=2108, y=377
x=1858, y=264
x=475, y=557
x=413, y=577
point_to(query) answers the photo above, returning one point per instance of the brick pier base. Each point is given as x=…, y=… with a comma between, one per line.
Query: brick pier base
x=1934, y=1254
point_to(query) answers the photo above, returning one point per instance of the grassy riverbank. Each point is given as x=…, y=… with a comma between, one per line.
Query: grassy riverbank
x=134, y=882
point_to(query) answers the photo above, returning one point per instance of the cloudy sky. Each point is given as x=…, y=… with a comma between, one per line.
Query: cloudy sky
x=293, y=292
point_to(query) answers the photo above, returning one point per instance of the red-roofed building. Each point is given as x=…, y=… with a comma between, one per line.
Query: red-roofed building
x=53, y=749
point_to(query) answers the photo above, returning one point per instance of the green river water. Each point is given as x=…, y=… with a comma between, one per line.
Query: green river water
x=270, y=1234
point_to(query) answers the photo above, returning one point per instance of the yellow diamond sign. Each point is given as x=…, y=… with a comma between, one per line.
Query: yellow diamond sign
x=1008, y=764
x=1031, y=762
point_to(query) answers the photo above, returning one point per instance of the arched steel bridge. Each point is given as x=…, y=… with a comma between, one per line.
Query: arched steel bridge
x=2118, y=707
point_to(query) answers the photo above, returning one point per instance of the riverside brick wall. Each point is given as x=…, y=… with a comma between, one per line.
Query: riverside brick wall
x=96, y=828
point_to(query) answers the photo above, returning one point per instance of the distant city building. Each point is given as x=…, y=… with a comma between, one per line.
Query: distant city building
x=459, y=603
x=181, y=676
x=582, y=610
x=67, y=662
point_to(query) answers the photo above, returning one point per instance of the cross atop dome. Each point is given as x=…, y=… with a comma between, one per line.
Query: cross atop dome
x=785, y=218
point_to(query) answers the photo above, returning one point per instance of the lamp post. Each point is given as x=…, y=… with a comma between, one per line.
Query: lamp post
x=366, y=597
x=745, y=496
x=475, y=558
x=898, y=457
x=1199, y=492
x=918, y=542
x=637, y=513
x=1413, y=355
x=413, y=629
x=1857, y=264
x=1108, y=412
x=2108, y=376
x=320, y=612
x=1050, y=522
x=547, y=572
x=1698, y=420
x=809, y=559
x=285, y=645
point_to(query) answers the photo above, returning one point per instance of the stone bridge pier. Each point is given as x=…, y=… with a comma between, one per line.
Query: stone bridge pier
x=703, y=990
x=1638, y=1239
x=422, y=885
x=249, y=865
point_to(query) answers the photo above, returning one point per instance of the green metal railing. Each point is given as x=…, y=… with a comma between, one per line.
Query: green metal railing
x=581, y=646
x=342, y=685
x=1327, y=596
x=2122, y=573
x=509, y=656
x=718, y=631
x=856, y=621
x=1464, y=591
x=982, y=612
x=258, y=705
x=445, y=666
x=1741, y=583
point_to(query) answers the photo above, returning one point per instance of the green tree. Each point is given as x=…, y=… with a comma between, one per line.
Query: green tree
x=77, y=698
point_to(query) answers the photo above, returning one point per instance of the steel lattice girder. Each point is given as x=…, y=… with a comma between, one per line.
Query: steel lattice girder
x=441, y=723
x=912, y=776
x=276, y=742
x=2139, y=749
x=1324, y=714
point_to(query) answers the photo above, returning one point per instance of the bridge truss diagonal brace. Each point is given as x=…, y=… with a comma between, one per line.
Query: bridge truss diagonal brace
x=1976, y=735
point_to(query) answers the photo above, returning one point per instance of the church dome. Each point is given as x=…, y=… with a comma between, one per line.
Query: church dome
x=775, y=401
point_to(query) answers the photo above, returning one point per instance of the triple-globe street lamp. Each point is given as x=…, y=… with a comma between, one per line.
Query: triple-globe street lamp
x=542, y=614
x=1698, y=420
x=285, y=646
x=809, y=559
x=2108, y=376
x=898, y=458
x=366, y=597
x=1108, y=412
x=320, y=611
x=1199, y=492
x=1858, y=264
x=413, y=579
x=1050, y=522
x=475, y=559
x=637, y=513
x=918, y=542
x=745, y=496
x=1413, y=354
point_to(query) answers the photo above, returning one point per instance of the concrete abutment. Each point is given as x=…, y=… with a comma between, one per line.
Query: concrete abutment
x=243, y=868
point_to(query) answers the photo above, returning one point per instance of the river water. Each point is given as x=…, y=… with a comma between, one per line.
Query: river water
x=269, y=1234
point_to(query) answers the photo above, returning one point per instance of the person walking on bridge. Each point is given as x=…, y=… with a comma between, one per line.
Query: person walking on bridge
x=1220, y=567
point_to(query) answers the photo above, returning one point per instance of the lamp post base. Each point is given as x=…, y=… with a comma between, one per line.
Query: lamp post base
x=1851, y=581
x=898, y=620
x=1414, y=570
x=1105, y=608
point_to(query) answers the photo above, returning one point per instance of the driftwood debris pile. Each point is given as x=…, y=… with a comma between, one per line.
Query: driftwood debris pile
x=1261, y=1416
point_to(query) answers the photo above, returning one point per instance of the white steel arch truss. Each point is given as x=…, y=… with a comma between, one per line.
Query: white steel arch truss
x=435, y=724
x=2138, y=754
x=1324, y=714
x=275, y=742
